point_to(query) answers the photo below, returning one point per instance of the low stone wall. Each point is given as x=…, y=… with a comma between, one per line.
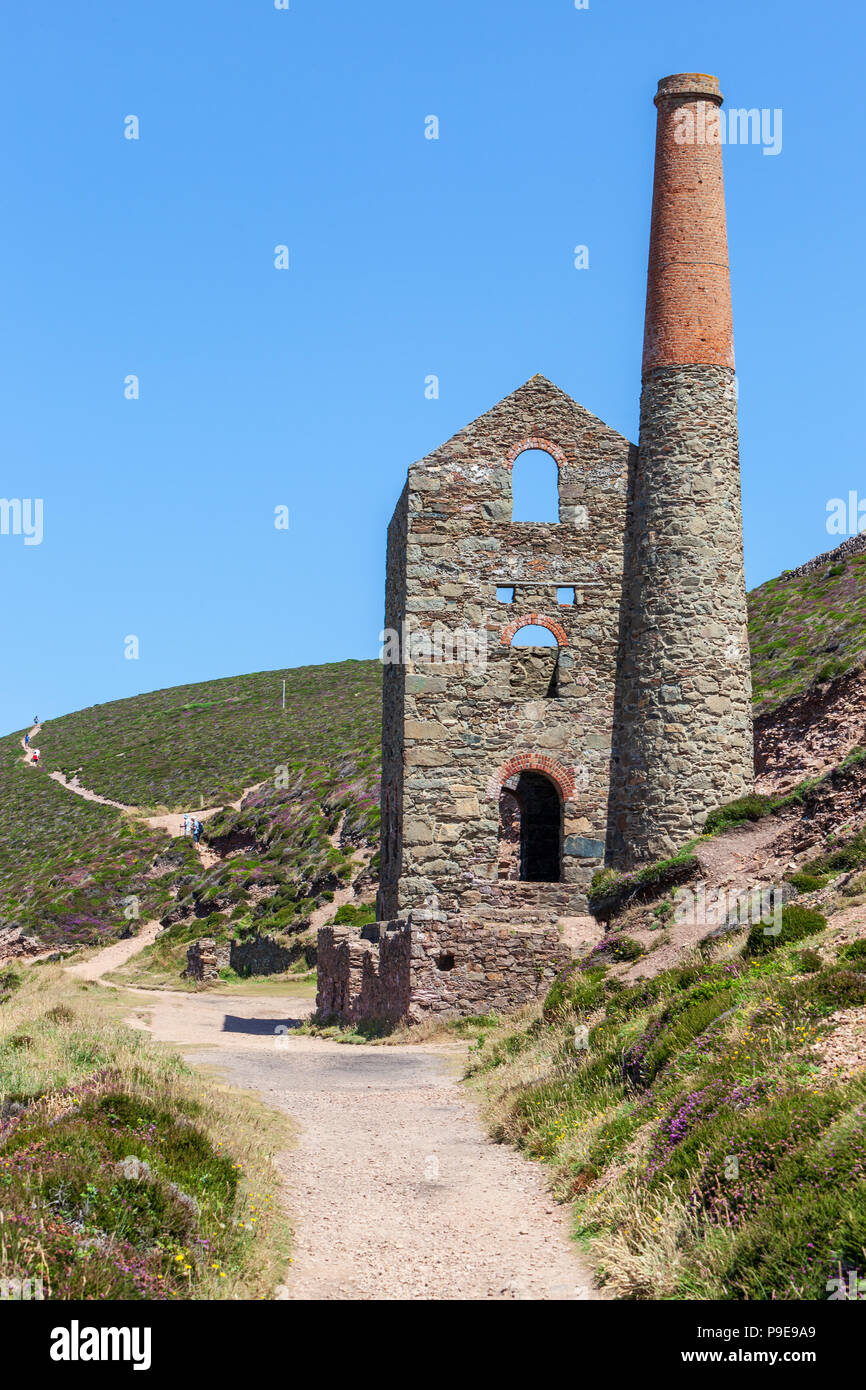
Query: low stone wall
x=410, y=970
x=205, y=959
x=364, y=973
x=262, y=955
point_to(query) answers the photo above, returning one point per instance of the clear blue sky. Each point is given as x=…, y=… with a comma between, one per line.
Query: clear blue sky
x=409, y=257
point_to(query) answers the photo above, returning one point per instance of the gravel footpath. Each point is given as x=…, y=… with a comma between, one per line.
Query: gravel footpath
x=394, y=1188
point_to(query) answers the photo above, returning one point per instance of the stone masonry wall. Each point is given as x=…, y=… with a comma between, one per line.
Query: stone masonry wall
x=408, y=971
x=683, y=742
x=363, y=974
x=263, y=955
x=393, y=712
x=205, y=959
x=461, y=728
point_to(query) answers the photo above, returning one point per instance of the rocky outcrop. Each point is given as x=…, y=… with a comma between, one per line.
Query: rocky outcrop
x=810, y=732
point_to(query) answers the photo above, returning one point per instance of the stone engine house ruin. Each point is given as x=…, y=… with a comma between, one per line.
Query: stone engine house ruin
x=511, y=773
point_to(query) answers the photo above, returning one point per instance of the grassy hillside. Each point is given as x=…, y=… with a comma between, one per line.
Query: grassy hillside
x=201, y=745
x=804, y=628
x=68, y=866
x=711, y=1152
x=123, y=1175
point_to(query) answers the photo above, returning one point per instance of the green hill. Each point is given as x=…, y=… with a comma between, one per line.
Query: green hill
x=203, y=744
x=68, y=866
x=806, y=626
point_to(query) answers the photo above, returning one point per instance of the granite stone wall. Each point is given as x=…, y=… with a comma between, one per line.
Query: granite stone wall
x=412, y=970
x=454, y=728
x=205, y=959
x=261, y=955
x=683, y=742
x=364, y=973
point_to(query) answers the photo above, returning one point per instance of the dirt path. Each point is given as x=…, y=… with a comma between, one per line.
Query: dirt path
x=394, y=1188
x=116, y=954
x=172, y=821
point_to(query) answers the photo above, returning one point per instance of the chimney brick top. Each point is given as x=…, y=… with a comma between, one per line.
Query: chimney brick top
x=689, y=84
x=688, y=310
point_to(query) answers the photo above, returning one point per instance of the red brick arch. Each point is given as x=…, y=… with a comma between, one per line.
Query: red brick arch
x=533, y=620
x=536, y=442
x=532, y=762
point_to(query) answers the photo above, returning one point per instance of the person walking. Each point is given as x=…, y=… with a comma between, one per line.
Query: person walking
x=186, y=823
x=196, y=830
x=35, y=757
x=26, y=740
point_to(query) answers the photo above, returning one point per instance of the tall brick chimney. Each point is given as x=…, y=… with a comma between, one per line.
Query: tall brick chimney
x=684, y=741
x=688, y=307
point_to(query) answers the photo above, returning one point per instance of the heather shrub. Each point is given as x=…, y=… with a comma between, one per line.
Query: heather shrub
x=797, y=922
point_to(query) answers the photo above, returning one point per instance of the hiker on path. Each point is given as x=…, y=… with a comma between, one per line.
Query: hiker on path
x=196, y=830
x=26, y=740
x=36, y=719
x=35, y=757
x=186, y=823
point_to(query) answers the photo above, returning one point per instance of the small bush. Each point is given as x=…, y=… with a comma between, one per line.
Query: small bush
x=9, y=982
x=355, y=915
x=626, y=948
x=808, y=883
x=810, y=961
x=745, y=808
x=60, y=1013
x=577, y=993
x=855, y=951
x=830, y=990
x=797, y=922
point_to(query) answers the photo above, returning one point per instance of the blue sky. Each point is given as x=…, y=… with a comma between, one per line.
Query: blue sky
x=408, y=257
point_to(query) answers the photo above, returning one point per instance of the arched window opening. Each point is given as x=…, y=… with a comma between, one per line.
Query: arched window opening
x=535, y=487
x=532, y=635
x=530, y=830
x=534, y=663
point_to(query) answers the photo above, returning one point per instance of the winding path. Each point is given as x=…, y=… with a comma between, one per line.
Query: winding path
x=172, y=821
x=394, y=1188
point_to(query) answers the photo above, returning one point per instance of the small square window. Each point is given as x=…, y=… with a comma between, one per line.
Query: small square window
x=565, y=598
x=505, y=595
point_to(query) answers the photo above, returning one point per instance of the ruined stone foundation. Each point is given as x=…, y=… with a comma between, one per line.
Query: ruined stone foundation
x=416, y=969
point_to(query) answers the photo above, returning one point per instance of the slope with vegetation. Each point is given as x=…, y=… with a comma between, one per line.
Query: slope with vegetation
x=122, y=1174
x=69, y=868
x=707, y=1121
x=807, y=626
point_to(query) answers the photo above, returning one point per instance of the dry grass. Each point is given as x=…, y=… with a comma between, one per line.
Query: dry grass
x=76, y=1050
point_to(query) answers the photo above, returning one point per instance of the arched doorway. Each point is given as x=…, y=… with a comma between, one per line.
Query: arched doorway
x=530, y=822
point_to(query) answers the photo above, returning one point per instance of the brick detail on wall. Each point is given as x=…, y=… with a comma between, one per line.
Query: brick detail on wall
x=532, y=762
x=536, y=441
x=534, y=620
